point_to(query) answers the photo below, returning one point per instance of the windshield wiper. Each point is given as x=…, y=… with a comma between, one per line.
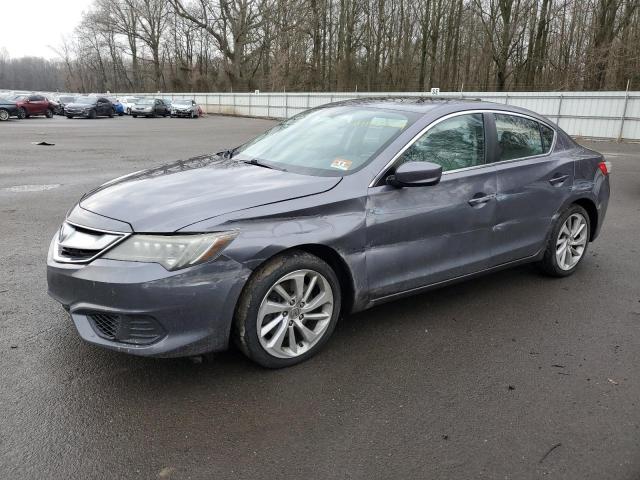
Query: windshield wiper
x=258, y=163
x=229, y=153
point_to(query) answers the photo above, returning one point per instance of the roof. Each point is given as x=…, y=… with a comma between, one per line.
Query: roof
x=427, y=104
x=410, y=104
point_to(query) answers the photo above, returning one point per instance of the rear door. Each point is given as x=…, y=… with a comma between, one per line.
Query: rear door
x=36, y=105
x=424, y=235
x=533, y=183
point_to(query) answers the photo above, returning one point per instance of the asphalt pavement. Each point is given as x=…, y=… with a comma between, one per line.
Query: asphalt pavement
x=511, y=376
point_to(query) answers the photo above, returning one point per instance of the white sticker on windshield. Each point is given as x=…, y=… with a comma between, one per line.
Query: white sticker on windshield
x=341, y=164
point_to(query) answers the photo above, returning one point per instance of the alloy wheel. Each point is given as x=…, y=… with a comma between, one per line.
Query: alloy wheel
x=4, y=115
x=295, y=313
x=572, y=241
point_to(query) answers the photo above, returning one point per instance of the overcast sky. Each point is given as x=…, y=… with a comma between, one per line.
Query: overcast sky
x=45, y=23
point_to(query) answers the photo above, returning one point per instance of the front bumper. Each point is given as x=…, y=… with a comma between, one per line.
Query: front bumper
x=192, y=307
x=181, y=113
x=77, y=113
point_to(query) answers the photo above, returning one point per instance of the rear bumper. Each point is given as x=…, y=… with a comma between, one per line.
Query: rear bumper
x=193, y=307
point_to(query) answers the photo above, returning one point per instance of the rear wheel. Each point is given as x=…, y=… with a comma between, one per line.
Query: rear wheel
x=4, y=115
x=48, y=113
x=135, y=116
x=22, y=113
x=287, y=310
x=92, y=114
x=69, y=116
x=568, y=242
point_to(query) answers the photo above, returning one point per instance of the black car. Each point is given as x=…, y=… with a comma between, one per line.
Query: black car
x=8, y=109
x=63, y=101
x=89, y=107
x=150, y=107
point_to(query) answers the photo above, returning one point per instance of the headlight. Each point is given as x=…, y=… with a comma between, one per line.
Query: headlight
x=173, y=252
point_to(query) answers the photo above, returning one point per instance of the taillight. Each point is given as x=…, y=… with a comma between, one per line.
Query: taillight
x=605, y=167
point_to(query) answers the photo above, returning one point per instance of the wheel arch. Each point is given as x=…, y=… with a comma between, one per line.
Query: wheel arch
x=592, y=211
x=336, y=261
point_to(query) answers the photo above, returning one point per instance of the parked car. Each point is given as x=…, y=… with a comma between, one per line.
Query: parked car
x=8, y=108
x=63, y=101
x=333, y=211
x=118, y=108
x=128, y=103
x=185, y=108
x=88, y=106
x=32, y=105
x=150, y=107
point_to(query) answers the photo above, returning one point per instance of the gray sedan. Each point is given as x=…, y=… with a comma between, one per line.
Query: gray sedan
x=333, y=211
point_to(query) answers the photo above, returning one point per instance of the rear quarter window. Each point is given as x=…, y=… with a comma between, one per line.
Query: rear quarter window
x=547, y=137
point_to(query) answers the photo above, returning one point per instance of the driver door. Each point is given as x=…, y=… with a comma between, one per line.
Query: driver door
x=418, y=236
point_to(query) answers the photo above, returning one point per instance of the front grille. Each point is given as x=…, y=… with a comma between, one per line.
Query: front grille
x=106, y=324
x=77, y=253
x=76, y=244
x=133, y=329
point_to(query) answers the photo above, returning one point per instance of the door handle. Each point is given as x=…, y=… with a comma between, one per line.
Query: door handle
x=481, y=200
x=558, y=180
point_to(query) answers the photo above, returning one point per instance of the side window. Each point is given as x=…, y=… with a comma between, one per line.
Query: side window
x=457, y=142
x=33, y=98
x=547, y=138
x=518, y=137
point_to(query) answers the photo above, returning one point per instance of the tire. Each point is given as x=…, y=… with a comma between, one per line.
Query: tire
x=110, y=114
x=92, y=114
x=69, y=116
x=22, y=113
x=4, y=115
x=48, y=113
x=252, y=311
x=567, y=247
x=128, y=110
x=120, y=114
x=134, y=116
x=193, y=114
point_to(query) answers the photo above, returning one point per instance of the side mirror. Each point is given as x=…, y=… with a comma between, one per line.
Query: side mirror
x=415, y=174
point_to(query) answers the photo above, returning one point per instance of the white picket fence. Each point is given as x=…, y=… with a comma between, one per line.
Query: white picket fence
x=612, y=115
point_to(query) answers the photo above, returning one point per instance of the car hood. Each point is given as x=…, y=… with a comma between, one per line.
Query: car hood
x=170, y=197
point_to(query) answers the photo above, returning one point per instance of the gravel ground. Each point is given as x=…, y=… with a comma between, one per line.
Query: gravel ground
x=513, y=376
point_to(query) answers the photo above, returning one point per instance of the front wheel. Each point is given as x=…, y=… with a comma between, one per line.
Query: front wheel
x=567, y=243
x=4, y=115
x=93, y=114
x=287, y=310
x=48, y=113
x=69, y=116
x=22, y=113
x=134, y=116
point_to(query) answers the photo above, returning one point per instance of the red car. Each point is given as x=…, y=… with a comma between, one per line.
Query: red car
x=29, y=105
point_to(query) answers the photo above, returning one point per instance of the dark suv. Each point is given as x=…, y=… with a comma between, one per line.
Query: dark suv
x=89, y=107
x=30, y=105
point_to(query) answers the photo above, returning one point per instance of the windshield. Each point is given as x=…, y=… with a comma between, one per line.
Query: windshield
x=332, y=141
x=145, y=101
x=182, y=102
x=66, y=99
x=86, y=100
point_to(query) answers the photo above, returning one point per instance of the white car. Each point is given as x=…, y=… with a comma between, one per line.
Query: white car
x=128, y=103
